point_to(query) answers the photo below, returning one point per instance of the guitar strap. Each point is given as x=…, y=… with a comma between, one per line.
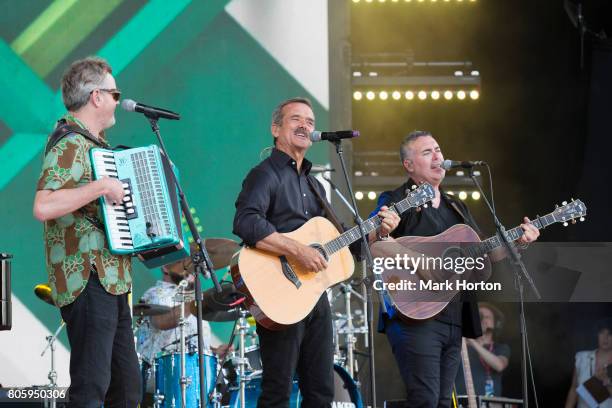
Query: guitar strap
x=329, y=212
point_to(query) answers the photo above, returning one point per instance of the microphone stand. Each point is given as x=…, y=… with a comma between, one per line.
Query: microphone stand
x=201, y=259
x=368, y=280
x=520, y=272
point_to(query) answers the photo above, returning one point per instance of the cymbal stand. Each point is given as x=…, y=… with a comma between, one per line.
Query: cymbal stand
x=243, y=326
x=52, y=373
x=349, y=329
x=184, y=381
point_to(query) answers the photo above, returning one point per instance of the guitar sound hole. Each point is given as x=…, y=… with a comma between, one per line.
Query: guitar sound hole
x=319, y=248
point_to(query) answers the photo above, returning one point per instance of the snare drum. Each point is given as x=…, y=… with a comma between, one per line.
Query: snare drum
x=168, y=377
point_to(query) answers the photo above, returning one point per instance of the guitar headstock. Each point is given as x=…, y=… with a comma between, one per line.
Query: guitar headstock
x=421, y=195
x=569, y=212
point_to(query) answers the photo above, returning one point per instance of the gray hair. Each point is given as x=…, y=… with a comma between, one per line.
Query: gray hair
x=82, y=77
x=412, y=136
x=277, y=114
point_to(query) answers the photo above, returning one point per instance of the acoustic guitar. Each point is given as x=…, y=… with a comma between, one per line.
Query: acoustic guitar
x=458, y=241
x=279, y=292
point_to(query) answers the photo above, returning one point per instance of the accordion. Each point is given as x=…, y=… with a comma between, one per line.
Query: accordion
x=148, y=221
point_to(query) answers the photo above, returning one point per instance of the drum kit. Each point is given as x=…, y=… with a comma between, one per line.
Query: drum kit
x=171, y=379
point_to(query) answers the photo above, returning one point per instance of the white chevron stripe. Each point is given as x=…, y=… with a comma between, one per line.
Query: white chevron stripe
x=20, y=350
x=294, y=32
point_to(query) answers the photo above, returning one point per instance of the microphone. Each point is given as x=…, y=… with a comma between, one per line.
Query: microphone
x=451, y=164
x=149, y=111
x=317, y=135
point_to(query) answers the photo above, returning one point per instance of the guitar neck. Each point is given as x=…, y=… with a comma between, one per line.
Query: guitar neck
x=371, y=224
x=515, y=233
x=467, y=375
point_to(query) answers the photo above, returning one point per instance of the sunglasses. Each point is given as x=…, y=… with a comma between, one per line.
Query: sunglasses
x=116, y=94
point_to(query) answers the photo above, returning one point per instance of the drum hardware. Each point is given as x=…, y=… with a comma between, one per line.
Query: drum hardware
x=184, y=380
x=52, y=373
x=343, y=325
x=142, y=309
x=243, y=362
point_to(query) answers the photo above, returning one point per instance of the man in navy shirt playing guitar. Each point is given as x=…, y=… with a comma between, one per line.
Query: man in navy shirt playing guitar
x=428, y=352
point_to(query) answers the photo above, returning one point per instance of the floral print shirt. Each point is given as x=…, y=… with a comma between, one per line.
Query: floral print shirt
x=73, y=243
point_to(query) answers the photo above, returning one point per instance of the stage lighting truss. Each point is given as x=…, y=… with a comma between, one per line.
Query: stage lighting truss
x=411, y=1
x=396, y=78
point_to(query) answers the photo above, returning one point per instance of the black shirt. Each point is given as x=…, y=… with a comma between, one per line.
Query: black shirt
x=426, y=222
x=275, y=197
x=480, y=371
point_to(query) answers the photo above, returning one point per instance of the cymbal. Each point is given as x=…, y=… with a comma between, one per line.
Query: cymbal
x=145, y=309
x=220, y=251
x=43, y=291
x=220, y=316
x=219, y=307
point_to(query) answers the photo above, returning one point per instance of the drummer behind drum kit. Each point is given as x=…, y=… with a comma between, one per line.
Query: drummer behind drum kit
x=173, y=376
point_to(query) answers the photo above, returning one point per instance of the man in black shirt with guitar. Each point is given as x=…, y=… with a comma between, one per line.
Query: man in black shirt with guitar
x=428, y=351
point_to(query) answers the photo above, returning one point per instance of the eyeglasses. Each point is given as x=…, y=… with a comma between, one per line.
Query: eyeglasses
x=114, y=92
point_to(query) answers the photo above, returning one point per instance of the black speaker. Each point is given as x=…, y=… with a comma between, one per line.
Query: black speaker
x=6, y=320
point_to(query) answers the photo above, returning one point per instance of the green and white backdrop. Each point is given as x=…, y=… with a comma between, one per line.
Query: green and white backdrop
x=222, y=64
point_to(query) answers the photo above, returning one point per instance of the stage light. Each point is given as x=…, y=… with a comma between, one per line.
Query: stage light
x=370, y=95
x=422, y=95
x=358, y=173
x=475, y=73
x=458, y=73
x=374, y=173
x=460, y=173
x=373, y=74
x=462, y=195
x=448, y=95
x=409, y=95
x=383, y=95
x=359, y=195
x=355, y=1
x=461, y=95
x=435, y=95
x=372, y=195
x=450, y=193
x=475, y=195
x=357, y=95
x=474, y=94
x=357, y=74
x=397, y=95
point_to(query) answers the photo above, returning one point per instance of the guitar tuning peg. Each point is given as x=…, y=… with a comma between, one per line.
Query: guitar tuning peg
x=565, y=224
x=573, y=221
x=564, y=203
x=581, y=219
x=573, y=199
x=556, y=206
x=425, y=205
x=413, y=187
